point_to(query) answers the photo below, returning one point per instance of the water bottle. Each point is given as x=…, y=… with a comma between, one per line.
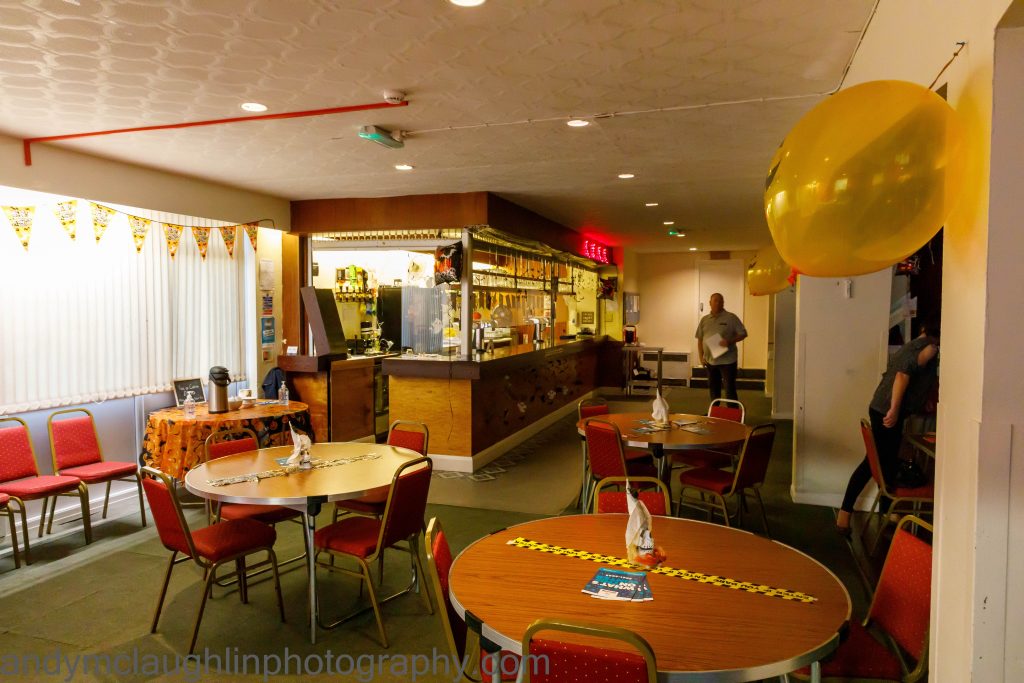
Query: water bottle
x=283, y=394
x=189, y=406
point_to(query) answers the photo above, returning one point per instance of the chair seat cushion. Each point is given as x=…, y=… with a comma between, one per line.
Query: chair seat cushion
x=926, y=491
x=101, y=471
x=572, y=662
x=353, y=536
x=615, y=502
x=637, y=454
x=860, y=656
x=707, y=478
x=233, y=537
x=508, y=664
x=267, y=514
x=639, y=468
x=40, y=487
x=703, y=458
x=4, y=499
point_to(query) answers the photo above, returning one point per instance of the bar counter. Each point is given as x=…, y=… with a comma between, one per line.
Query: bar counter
x=471, y=403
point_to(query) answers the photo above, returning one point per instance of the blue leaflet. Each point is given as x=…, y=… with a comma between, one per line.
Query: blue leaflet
x=616, y=584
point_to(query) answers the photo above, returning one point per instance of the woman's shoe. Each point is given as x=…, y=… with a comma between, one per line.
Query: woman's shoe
x=844, y=531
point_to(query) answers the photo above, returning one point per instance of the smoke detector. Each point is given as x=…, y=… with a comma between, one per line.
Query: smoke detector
x=393, y=96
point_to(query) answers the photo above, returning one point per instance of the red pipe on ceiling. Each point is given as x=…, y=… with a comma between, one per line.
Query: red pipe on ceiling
x=27, y=142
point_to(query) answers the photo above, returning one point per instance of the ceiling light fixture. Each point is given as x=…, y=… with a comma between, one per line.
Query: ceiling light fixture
x=382, y=136
x=467, y=3
x=693, y=248
x=626, y=176
x=670, y=223
x=651, y=204
x=404, y=167
x=577, y=123
x=254, y=106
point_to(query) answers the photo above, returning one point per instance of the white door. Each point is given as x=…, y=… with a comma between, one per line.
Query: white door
x=728, y=279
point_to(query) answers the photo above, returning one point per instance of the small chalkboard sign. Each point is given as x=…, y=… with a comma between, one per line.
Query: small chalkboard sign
x=183, y=386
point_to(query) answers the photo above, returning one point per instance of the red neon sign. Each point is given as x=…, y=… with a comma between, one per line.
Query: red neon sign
x=596, y=252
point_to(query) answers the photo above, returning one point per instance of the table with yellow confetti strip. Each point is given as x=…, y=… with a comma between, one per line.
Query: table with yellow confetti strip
x=728, y=605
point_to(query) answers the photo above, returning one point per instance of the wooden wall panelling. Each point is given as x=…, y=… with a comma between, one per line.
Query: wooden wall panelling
x=311, y=389
x=517, y=220
x=444, y=405
x=291, y=280
x=352, y=400
x=389, y=213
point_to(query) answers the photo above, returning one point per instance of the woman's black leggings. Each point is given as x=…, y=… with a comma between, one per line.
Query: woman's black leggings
x=887, y=441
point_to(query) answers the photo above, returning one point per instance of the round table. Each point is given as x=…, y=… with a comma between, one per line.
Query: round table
x=699, y=631
x=306, y=490
x=719, y=432
x=174, y=444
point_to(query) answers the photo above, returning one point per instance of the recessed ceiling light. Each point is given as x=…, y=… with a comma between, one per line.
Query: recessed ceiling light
x=403, y=167
x=467, y=3
x=577, y=123
x=626, y=176
x=651, y=204
x=693, y=248
x=670, y=222
x=254, y=106
x=682, y=234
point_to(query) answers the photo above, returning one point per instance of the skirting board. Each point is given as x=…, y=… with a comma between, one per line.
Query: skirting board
x=832, y=500
x=461, y=463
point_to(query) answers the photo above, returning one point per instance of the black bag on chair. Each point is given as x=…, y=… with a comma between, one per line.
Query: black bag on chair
x=910, y=475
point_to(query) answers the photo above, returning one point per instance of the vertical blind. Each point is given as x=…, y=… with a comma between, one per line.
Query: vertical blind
x=84, y=320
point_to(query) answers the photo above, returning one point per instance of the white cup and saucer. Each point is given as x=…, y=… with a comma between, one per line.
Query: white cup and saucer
x=248, y=396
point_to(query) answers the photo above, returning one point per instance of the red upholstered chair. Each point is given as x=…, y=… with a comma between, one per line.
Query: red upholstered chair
x=230, y=442
x=554, y=661
x=402, y=433
x=719, y=484
x=210, y=547
x=365, y=538
x=900, y=611
x=76, y=452
x=439, y=564
x=606, y=455
x=5, y=509
x=20, y=478
x=723, y=409
x=904, y=500
x=658, y=502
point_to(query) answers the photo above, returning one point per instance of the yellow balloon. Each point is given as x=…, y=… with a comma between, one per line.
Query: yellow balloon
x=864, y=179
x=767, y=273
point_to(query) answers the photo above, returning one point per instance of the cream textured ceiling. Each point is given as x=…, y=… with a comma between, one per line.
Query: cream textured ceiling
x=69, y=66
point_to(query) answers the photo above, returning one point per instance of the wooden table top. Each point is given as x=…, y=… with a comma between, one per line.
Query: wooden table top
x=721, y=432
x=341, y=482
x=247, y=413
x=698, y=631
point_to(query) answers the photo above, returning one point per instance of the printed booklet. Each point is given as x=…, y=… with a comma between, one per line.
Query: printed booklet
x=616, y=584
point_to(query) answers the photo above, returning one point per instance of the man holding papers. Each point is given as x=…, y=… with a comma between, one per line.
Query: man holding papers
x=717, y=335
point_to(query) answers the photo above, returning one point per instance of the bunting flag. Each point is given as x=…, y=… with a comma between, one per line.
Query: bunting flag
x=228, y=232
x=252, y=229
x=140, y=226
x=202, y=237
x=172, y=233
x=101, y=216
x=66, y=214
x=21, y=220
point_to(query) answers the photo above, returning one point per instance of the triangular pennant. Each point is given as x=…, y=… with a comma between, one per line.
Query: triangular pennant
x=172, y=233
x=140, y=226
x=252, y=230
x=21, y=220
x=202, y=237
x=101, y=216
x=67, y=213
x=228, y=232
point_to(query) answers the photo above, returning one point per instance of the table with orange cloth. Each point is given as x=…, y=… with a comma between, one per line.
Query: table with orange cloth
x=174, y=444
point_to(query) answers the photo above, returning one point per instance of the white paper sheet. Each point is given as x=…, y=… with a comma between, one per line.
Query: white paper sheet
x=713, y=343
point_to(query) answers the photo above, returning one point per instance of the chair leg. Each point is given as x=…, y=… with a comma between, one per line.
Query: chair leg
x=24, y=528
x=106, y=500
x=368, y=580
x=243, y=585
x=142, y=500
x=417, y=567
x=207, y=587
x=764, y=513
x=83, y=497
x=14, y=537
x=277, y=581
x=163, y=592
x=725, y=510
x=42, y=520
x=53, y=512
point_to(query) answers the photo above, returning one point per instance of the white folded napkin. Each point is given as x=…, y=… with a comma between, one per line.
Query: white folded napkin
x=660, y=410
x=300, y=448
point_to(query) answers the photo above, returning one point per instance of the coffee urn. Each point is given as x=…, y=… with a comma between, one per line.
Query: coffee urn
x=217, y=390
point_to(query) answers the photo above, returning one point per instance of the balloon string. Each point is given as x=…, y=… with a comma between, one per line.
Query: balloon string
x=960, y=48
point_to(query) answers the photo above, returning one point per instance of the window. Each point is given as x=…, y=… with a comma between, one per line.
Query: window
x=88, y=319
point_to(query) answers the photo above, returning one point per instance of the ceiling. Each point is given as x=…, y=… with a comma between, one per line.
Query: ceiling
x=509, y=73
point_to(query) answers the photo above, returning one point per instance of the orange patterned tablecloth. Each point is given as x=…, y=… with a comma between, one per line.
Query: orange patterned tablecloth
x=174, y=444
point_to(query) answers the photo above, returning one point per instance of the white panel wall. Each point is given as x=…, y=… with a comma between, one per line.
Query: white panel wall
x=840, y=355
x=784, y=335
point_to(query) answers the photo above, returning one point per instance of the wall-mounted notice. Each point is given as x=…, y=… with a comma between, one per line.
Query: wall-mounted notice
x=268, y=304
x=266, y=274
x=267, y=335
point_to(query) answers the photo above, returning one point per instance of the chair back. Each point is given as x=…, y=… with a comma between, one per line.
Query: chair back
x=757, y=451
x=439, y=564
x=408, y=434
x=163, y=503
x=552, y=660
x=590, y=407
x=73, y=441
x=658, y=502
x=872, y=453
x=604, y=449
x=407, y=502
x=229, y=442
x=902, y=603
x=727, y=409
x=17, y=458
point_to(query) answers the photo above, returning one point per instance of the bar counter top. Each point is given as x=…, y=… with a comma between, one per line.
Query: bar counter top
x=502, y=358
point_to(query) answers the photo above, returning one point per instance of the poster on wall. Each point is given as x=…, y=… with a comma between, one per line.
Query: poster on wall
x=268, y=304
x=267, y=335
x=266, y=274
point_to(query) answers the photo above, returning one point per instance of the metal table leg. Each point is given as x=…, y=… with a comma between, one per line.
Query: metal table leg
x=309, y=525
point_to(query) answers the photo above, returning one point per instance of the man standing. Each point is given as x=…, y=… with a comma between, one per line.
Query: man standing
x=717, y=335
